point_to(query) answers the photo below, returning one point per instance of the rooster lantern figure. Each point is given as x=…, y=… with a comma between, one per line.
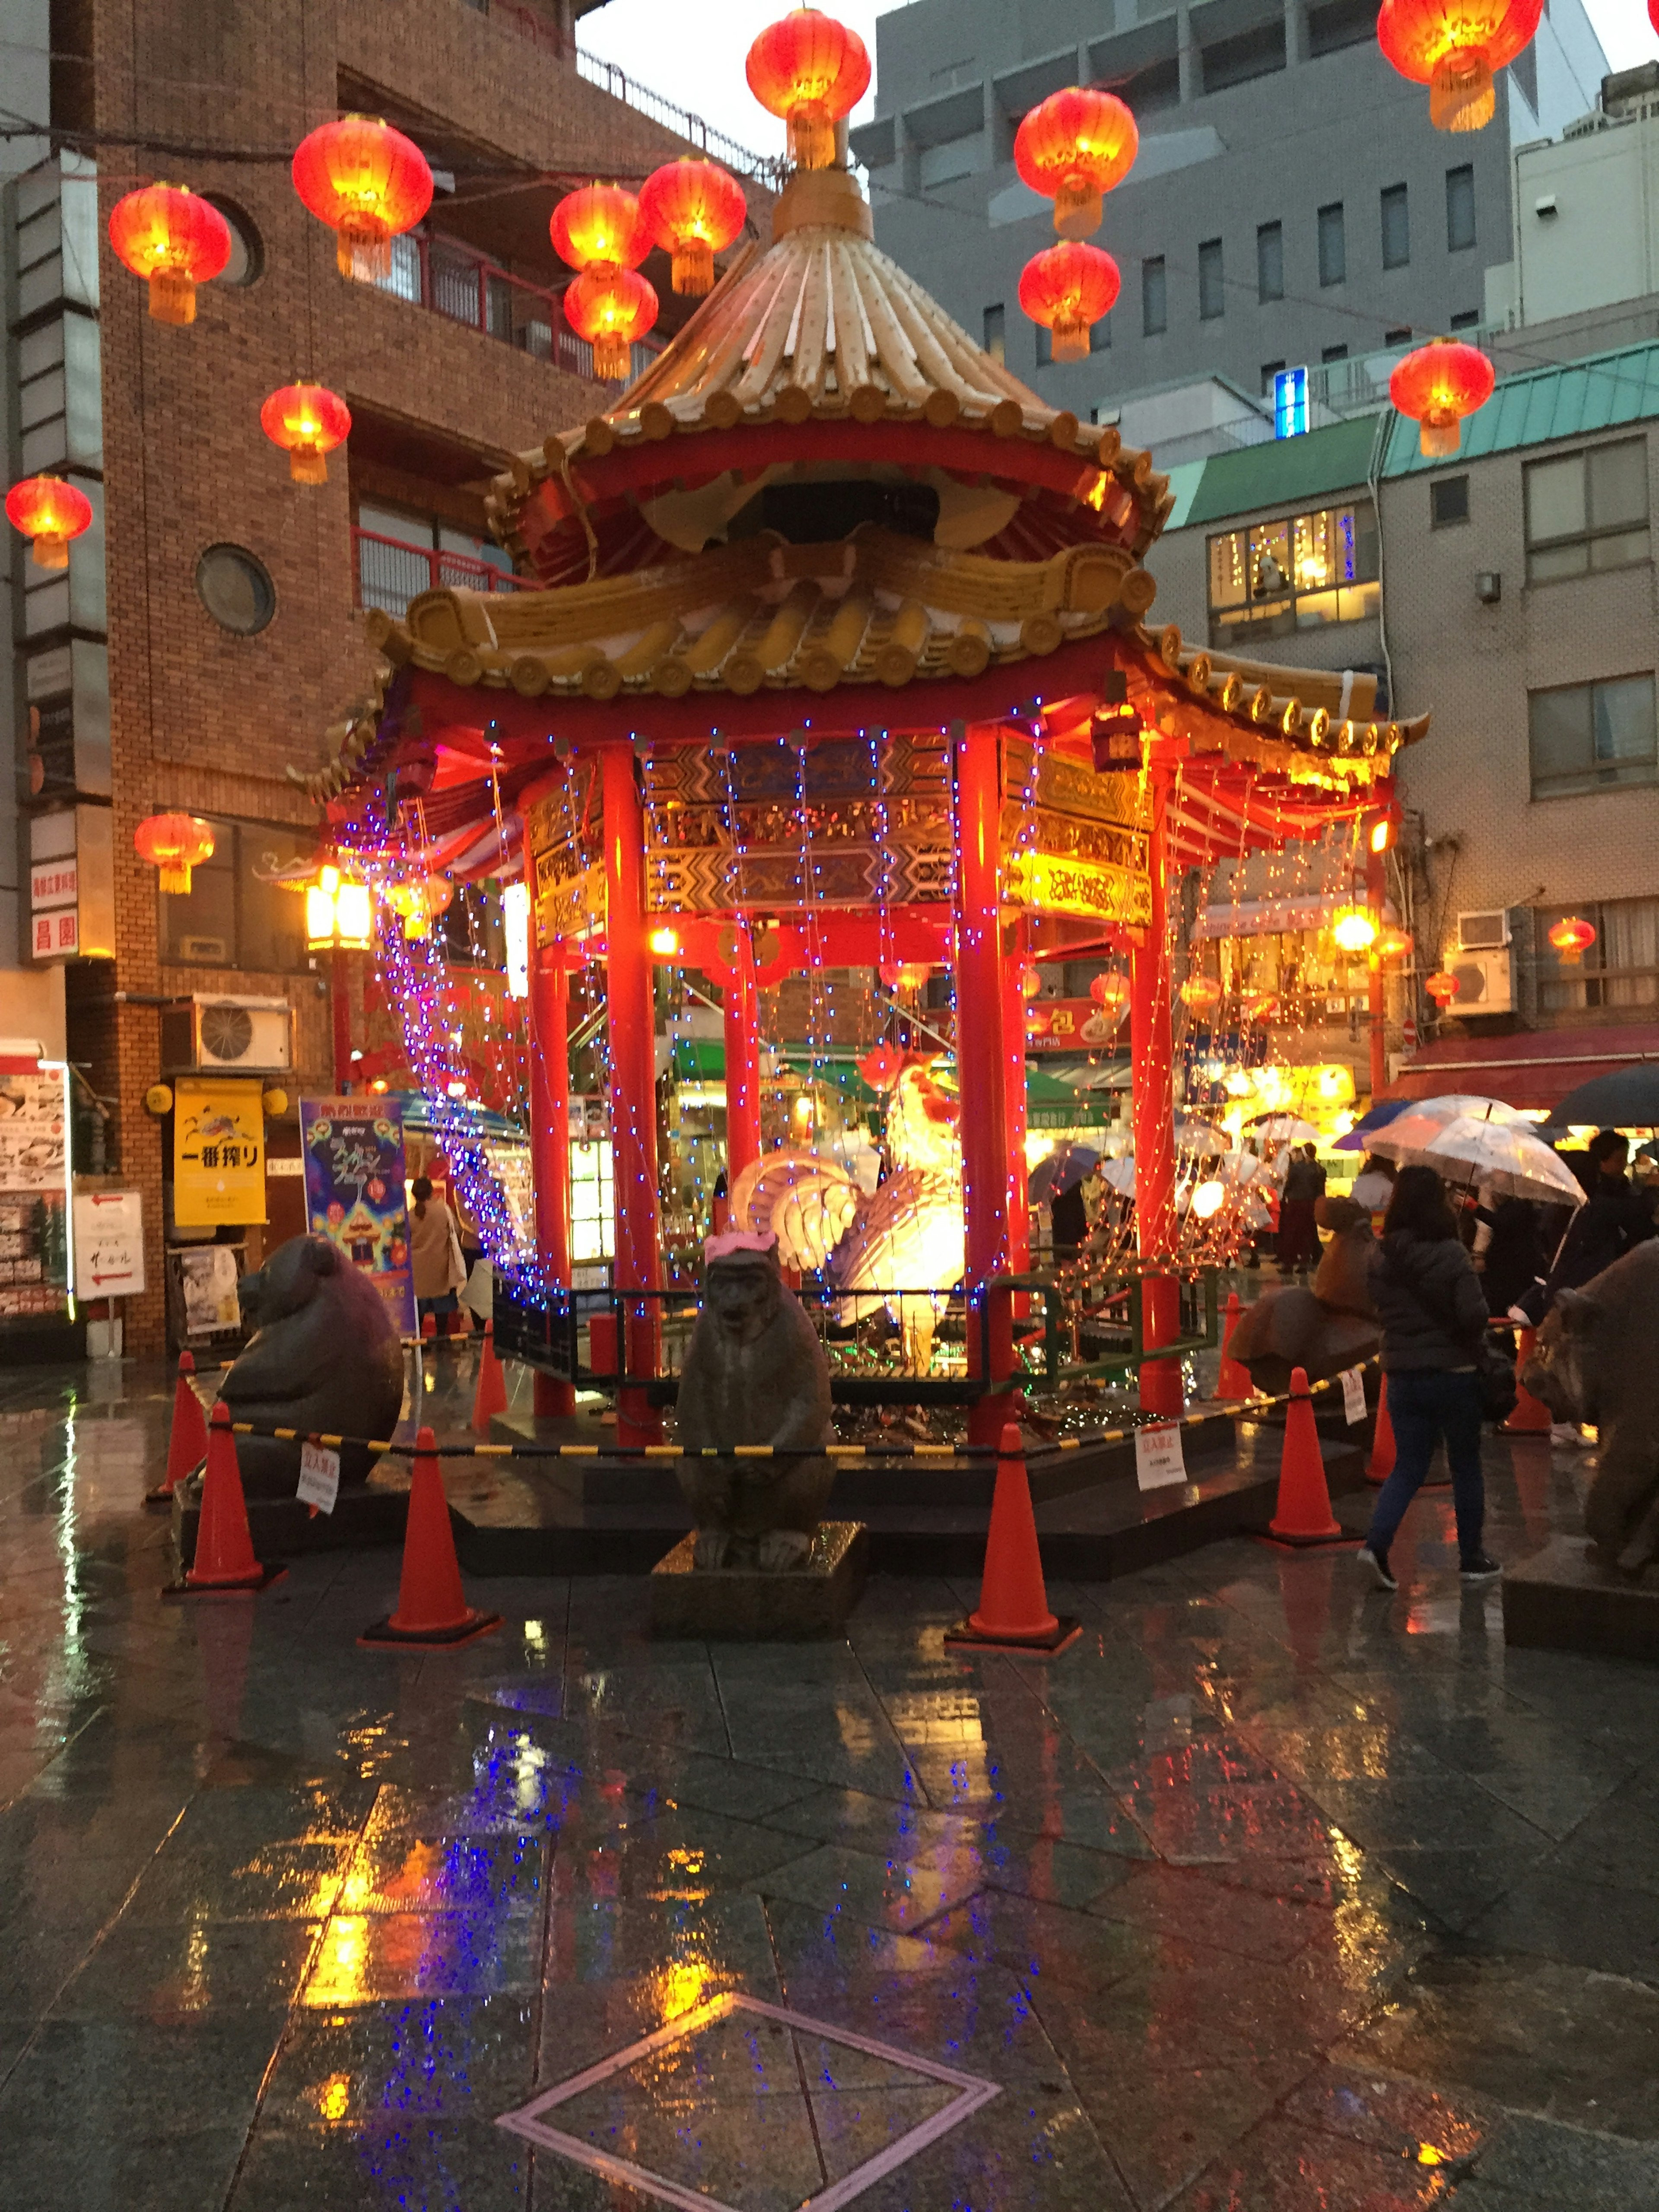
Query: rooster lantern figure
x=906, y=1237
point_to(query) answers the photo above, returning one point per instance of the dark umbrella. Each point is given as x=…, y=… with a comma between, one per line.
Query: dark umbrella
x=1065, y=1166
x=1377, y=1118
x=1624, y=1098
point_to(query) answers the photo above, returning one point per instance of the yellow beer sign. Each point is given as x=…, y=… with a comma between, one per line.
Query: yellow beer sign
x=218, y=1152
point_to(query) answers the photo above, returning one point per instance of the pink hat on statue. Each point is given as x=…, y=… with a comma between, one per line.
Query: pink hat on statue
x=731, y=1241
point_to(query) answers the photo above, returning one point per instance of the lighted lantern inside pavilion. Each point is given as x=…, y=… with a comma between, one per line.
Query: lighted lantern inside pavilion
x=827, y=557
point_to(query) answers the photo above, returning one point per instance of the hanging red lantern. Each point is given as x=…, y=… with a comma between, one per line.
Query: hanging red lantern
x=174, y=843
x=1259, y=1006
x=1442, y=987
x=1201, y=993
x=369, y=183
x=174, y=237
x=811, y=70
x=1393, y=945
x=1110, y=992
x=693, y=210
x=308, y=421
x=1573, y=936
x=416, y=904
x=611, y=307
x=1068, y=289
x=1437, y=384
x=904, y=974
x=599, y=225
x=1455, y=48
x=50, y=511
x=1073, y=148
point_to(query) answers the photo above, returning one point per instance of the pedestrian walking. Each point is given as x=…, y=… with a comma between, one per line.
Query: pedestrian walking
x=1433, y=1312
x=1298, y=1223
x=434, y=1246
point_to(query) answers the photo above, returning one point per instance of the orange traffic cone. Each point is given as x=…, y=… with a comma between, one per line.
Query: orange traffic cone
x=1013, y=1612
x=1305, y=1514
x=188, y=1442
x=224, y=1550
x=432, y=1612
x=1531, y=1417
x=1380, y=1466
x=1234, y=1379
x=490, y=1396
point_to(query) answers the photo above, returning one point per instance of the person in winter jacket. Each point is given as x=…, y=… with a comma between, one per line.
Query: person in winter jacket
x=1433, y=1312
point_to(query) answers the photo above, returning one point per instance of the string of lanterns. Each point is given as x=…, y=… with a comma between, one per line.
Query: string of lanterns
x=1073, y=148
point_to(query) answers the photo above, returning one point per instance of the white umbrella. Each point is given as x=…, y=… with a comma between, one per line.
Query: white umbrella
x=1192, y=1136
x=1454, y=1103
x=1282, y=1129
x=1120, y=1175
x=1414, y=1131
x=1504, y=1158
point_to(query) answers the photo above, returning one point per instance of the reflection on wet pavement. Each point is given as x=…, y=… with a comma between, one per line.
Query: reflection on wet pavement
x=1269, y=1895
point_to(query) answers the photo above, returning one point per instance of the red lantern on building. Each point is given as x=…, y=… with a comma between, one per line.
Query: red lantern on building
x=1068, y=289
x=1110, y=992
x=1393, y=945
x=1073, y=148
x=1442, y=987
x=693, y=210
x=599, y=225
x=174, y=843
x=811, y=70
x=611, y=307
x=369, y=183
x=1437, y=384
x=176, y=238
x=1259, y=1006
x=1573, y=936
x=1455, y=48
x=1201, y=994
x=50, y=511
x=308, y=421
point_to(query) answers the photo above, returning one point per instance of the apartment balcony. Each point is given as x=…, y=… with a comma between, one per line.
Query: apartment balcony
x=390, y=572
x=438, y=273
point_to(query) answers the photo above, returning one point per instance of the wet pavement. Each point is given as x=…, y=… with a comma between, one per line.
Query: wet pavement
x=1268, y=1895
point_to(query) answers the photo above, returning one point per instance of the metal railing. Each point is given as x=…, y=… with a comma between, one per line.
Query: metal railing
x=431, y=271
x=390, y=573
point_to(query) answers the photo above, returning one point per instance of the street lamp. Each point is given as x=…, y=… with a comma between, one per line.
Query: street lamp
x=339, y=913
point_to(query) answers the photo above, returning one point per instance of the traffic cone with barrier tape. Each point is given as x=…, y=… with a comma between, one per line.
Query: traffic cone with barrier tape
x=1233, y=1381
x=1531, y=1417
x=224, y=1557
x=490, y=1396
x=1304, y=1515
x=1380, y=1466
x=1013, y=1612
x=188, y=1442
x=433, y=1614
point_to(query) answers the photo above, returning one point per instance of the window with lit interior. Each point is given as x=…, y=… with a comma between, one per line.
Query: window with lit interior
x=1297, y=573
x=246, y=905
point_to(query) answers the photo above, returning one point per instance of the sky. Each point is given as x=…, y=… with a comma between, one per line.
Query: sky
x=695, y=56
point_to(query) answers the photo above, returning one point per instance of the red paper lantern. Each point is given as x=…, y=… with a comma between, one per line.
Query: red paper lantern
x=1437, y=386
x=1259, y=1006
x=600, y=226
x=369, y=183
x=174, y=843
x=1393, y=945
x=693, y=210
x=1074, y=147
x=1455, y=48
x=176, y=238
x=1442, y=987
x=50, y=511
x=811, y=70
x=612, y=307
x=308, y=421
x=1068, y=289
x=1110, y=992
x=1573, y=937
x=1202, y=993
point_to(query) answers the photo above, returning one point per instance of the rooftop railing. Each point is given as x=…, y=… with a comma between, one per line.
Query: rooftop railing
x=390, y=573
x=439, y=273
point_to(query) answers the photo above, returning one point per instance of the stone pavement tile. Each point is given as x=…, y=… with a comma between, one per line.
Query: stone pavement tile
x=833, y=1949
x=662, y=1704
x=901, y=1893
x=325, y=1809
x=1353, y=1751
x=1031, y=2150
x=394, y=2164
x=1557, y=2040
x=1616, y=1845
x=1044, y=1943
x=270, y=1882
x=1197, y=1827
x=1455, y=1886
x=366, y=1957
x=171, y=1974
x=448, y=2057
x=1614, y=1931
x=675, y=1854
x=976, y=2017
x=1569, y=2169
x=1283, y=2167
x=452, y=1873
x=1050, y=1869
x=886, y=1825
x=110, y=2078
x=1403, y=2117
x=1081, y=1811
x=1187, y=1903
x=1163, y=2124
x=137, y=2167
x=1424, y=1811
x=752, y=2156
x=674, y=1945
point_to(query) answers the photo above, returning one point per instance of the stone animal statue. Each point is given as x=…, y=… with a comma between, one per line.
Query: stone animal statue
x=1594, y=1361
x=325, y=1359
x=1324, y=1330
x=755, y=1374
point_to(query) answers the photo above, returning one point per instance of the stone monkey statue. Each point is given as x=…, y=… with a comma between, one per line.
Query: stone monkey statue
x=1324, y=1330
x=1594, y=1361
x=755, y=1373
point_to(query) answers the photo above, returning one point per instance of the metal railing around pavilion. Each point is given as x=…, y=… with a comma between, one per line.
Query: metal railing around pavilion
x=439, y=273
x=390, y=573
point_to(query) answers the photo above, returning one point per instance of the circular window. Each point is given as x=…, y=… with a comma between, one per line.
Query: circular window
x=246, y=264
x=235, y=589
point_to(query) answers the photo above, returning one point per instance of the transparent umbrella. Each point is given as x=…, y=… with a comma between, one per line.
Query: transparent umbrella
x=1503, y=1156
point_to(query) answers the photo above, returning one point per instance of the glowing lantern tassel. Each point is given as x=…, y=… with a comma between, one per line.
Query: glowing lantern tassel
x=173, y=844
x=49, y=512
x=1456, y=47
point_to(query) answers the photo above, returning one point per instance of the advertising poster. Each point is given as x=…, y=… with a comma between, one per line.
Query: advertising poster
x=33, y=1208
x=218, y=1152
x=354, y=1160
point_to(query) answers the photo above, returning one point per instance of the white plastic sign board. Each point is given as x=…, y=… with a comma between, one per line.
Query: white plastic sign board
x=1158, y=1458
x=1353, y=1396
x=109, y=1244
x=319, y=1477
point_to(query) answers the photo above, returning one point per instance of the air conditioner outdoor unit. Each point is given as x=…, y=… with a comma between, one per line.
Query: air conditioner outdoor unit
x=1487, y=931
x=1486, y=982
x=242, y=1036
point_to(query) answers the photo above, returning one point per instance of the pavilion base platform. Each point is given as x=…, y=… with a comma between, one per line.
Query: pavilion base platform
x=1563, y=1599
x=742, y=1604
x=283, y=1528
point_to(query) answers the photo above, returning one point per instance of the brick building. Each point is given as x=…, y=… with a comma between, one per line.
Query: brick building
x=207, y=631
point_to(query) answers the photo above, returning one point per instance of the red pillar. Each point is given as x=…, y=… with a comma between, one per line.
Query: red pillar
x=631, y=1017
x=1013, y=1109
x=1375, y=1003
x=550, y=1139
x=743, y=1092
x=1151, y=1068
x=982, y=1052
